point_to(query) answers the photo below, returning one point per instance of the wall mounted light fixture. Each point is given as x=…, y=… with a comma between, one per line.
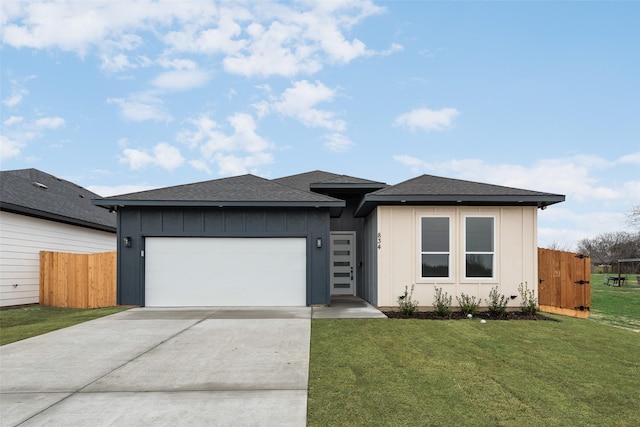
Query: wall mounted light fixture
x=319, y=242
x=126, y=242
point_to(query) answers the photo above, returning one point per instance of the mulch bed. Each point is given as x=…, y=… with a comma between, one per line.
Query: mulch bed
x=456, y=315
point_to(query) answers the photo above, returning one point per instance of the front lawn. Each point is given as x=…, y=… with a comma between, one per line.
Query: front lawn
x=502, y=373
x=615, y=305
x=19, y=323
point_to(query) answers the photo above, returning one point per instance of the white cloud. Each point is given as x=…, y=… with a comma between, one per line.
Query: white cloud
x=50, y=122
x=164, y=155
x=17, y=94
x=179, y=80
x=167, y=156
x=229, y=164
x=18, y=131
x=244, y=137
x=77, y=26
x=205, y=129
x=9, y=147
x=275, y=50
x=299, y=102
x=222, y=39
x=200, y=165
x=136, y=159
x=337, y=142
x=112, y=56
x=633, y=158
x=287, y=40
x=13, y=120
x=115, y=63
x=395, y=47
x=426, y=119
x=255, y=38
x=141, y=107
x=232, y=153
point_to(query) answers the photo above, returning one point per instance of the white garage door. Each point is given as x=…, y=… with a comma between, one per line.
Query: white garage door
x=225, y=272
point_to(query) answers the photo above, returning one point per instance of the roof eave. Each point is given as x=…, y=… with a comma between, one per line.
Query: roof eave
x=116, y=203
x=34, y=213
x=371, y=201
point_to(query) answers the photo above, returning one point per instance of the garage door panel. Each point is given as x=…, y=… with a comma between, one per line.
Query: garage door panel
x=225, y=271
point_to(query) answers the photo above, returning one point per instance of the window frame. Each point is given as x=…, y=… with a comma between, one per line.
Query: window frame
x=450, y=253
x=494, y=252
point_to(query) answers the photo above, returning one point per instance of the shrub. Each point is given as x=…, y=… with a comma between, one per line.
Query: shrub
x=407, y=304
x=497, y=303
x=468, y=304
x=529, y=301
x=442, y=303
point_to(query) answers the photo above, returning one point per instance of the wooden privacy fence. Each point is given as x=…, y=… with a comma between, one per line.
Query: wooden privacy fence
x=77, y=280
x=563, y=283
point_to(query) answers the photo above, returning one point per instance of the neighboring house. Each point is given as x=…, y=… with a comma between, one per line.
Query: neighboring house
x=39, y=212
x=298, y=240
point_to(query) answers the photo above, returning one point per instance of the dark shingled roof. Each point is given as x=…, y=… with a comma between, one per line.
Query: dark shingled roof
x=320, y=180
x=435, y=190
x=244, y=191
x=35, y=193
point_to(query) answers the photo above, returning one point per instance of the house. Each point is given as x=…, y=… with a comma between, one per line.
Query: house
x=39, y=212
x=300, y=239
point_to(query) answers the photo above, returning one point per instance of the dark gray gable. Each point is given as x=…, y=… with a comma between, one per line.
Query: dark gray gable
x=244, y=190
x=35, y=193
x=435, y=190
x=321, y=180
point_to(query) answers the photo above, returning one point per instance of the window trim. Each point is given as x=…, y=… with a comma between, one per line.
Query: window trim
x=465, y=252
x=450, y=253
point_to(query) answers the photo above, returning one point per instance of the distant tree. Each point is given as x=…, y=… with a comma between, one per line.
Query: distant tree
x=633, y=217
x=608, y=248
x=556, y=246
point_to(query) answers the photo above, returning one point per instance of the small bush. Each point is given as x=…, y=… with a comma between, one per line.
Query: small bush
x=529, y=303
x=468, y=304
x=497, y=303
x=442, y=303
x=407, y=304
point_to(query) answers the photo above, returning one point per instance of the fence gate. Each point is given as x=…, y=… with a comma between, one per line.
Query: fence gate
x=563, y=283
x=77, y=280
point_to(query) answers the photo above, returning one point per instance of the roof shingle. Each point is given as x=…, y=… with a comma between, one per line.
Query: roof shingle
x=322, y=179
x=36, y=193
x=435, y=190
x=244, y=190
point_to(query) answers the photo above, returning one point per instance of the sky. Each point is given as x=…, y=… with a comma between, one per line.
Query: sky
x=123, y=96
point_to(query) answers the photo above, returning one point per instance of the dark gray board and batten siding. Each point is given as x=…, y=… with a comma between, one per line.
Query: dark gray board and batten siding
x=139, y=223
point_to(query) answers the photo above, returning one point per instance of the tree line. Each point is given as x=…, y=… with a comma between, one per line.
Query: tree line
x=608, y=248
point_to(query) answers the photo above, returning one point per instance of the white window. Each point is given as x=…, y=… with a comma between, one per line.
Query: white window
x=435, y=247
x=480, y=247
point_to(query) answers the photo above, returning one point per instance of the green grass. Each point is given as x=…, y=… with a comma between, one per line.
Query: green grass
x=20, y=323
x=502, y=373
x=618, y=306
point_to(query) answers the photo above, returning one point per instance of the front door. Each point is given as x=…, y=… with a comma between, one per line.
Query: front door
x=343, y=259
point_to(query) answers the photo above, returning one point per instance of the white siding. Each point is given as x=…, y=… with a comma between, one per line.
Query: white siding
x=21, y=240
x=399, y=262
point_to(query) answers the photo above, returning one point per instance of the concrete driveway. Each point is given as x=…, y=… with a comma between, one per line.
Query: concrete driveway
x=155, y=367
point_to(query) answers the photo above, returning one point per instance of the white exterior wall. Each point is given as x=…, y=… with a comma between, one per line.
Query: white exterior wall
x=399, y=262
x=21, y=240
